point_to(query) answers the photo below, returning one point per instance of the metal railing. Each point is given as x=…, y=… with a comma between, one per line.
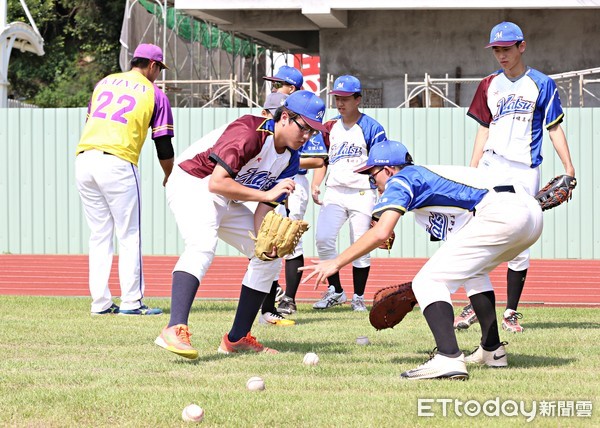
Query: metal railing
x=574, y=88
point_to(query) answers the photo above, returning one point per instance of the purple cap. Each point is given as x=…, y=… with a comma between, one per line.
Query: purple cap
x=309, y=106
x=505, y=34
x=289, y=75
x=386, y=153
x=274, y=101
x=345, y=86
x=151, y=52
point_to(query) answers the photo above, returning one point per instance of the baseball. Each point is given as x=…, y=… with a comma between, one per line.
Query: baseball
x=255, y=383
x=192, y=413
x=362, y=340
x=311, y=359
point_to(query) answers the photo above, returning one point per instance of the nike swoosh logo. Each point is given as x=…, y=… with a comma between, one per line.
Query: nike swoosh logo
x=497, y=357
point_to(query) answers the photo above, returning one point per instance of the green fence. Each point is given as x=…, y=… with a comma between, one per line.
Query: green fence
x=40, y=211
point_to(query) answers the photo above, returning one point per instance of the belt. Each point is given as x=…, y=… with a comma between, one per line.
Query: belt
x=106, y=153
x=503, y=189
x=500, y=189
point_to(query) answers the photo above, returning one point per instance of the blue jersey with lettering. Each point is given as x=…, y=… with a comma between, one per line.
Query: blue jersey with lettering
x=442, y=198
x=516, y=113
x=313, y=148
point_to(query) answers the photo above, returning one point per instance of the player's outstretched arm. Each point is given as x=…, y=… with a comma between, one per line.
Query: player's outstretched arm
x=372, y=239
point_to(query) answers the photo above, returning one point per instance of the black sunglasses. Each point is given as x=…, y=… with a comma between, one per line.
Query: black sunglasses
x=372, y=177
x=278, y=85
x=305, y=129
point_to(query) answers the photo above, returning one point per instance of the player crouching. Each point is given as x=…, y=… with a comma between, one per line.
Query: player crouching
x=487, y=227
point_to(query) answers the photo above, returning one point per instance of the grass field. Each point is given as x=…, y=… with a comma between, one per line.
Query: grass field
x=59, y=367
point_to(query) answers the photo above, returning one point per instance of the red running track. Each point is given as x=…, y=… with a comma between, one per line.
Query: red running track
x=549, y=282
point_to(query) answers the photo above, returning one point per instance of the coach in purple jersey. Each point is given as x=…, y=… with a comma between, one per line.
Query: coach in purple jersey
x=122, y=108
x=251, y=159
x=513, y=106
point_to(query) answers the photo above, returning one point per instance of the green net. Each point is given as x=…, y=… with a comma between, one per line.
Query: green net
x=193, y=30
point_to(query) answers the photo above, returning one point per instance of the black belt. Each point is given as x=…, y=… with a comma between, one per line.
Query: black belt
x=106, y=153
x=502, y=189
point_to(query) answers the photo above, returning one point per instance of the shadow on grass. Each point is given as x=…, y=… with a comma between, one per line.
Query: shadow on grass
x=524, y=360
x=570, y=325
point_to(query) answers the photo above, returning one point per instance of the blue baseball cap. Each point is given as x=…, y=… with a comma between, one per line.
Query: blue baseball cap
x=346, y=85
x=505, y=34
x=289, y=75
x=386, y=153
x=309, y=106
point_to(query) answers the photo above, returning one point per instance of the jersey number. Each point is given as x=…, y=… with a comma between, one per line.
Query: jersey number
x=125, y=102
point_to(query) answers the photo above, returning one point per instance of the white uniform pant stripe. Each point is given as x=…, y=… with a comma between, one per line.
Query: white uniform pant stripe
x=109, y=188
x=202, y=218
x=496, y=234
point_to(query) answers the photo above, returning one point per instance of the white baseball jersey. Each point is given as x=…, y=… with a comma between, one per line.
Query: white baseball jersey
x=348, y=149
x=245, y=149
x=515, y=112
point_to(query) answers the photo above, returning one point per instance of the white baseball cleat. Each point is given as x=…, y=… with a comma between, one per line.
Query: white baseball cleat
x=495, y=358
x=439, y=367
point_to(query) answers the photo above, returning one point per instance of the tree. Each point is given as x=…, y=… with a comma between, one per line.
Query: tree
x=81, y=41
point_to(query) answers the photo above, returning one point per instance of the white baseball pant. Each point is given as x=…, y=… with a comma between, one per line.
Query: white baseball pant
x=109, y=188
x=202, y=218
x=297, y=204
x=504, y=225
x=341, y=204
x=518, y=174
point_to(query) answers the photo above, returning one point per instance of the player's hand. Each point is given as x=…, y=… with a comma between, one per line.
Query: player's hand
x=165, y=180
x=321, y=270
x=273, y=253
x=286, y=186
x=315, y=195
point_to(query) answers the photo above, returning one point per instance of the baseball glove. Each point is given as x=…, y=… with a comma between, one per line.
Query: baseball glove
x=280, y=232
x=556, y=192
x=391, y=304
x=388, y=243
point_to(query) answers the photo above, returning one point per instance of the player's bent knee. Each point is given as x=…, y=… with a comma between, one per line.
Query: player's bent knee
x=428, y=291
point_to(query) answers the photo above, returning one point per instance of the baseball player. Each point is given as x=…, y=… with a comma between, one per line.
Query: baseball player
x=252, y=159
x=349, y=196
x=122, y=108
x=312, y=154
x=481, y=228
x=287, y=80
x=513, y=106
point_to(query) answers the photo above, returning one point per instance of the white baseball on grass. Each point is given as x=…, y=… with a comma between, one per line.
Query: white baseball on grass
x=192, y=413
x=255, y=383
x=311, y=359
x=362, y=340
